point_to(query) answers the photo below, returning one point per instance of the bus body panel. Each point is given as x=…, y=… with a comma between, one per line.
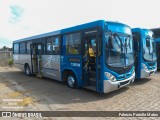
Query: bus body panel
x=140, y=62
x=121, y=79
x=21, y=59
x=111, y=86
x=74, y=64
x=51, y=66
x=151, y=70
x=16, y=59
x=157, y=40
x=156, y=32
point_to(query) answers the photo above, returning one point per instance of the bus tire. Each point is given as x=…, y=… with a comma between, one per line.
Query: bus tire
x=71, y=80
x=27, y=70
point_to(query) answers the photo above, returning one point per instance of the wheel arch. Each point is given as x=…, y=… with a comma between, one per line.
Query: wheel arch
x=25, y=65
x=64, y=74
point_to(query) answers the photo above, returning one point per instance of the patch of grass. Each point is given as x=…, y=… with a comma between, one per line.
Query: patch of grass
x=10, y=61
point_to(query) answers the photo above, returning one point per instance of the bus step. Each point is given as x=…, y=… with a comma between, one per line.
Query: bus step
x=92, y=74
x=39, y=75
x=92, y=81
x=93, y=88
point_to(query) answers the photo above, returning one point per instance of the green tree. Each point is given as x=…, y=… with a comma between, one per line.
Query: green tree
x=4, y=48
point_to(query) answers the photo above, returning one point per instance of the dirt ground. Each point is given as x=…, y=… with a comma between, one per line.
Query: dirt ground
x=39, y=94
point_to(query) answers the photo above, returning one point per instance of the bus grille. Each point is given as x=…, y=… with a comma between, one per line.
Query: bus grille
x=151, y=64
x=123, y=77
x=121, y=70
x=123, y=83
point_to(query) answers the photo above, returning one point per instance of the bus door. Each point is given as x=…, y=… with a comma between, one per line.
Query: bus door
x=137, y=47
x=90, y=62
x=36, y=59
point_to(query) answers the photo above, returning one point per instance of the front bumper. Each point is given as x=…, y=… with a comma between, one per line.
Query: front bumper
x=147, y=73
x=109, y=86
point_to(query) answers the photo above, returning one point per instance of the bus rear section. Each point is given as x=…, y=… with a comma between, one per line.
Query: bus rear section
x=96, y=56
x=145, y=52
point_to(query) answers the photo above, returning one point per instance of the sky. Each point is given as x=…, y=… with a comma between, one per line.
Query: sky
x=24, y=18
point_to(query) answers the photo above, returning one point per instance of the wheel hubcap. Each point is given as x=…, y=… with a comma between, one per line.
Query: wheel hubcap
x=71, y=81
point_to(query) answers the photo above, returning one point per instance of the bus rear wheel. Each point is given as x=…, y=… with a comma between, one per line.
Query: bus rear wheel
x=27, y=70
x=71, y=80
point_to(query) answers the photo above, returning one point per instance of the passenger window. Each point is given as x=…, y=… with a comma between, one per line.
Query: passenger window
x=16, y=48
x=28, y=47
x=73, y=43
x=49, y=49
x=22, y=47
x=56, y=45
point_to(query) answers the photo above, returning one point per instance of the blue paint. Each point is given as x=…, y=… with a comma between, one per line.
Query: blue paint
x=67, y=60
x=139, y=49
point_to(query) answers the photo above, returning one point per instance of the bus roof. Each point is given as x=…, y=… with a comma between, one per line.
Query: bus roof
x=155, y=28
x=70, y=29
x=139, y=29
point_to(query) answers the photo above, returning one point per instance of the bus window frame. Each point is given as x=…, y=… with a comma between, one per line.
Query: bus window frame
x=18, y=48
x=64, y=43
x=45, y=44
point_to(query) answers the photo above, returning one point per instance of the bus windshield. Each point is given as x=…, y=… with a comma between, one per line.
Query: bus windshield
x=119, y=50
x=149, y=48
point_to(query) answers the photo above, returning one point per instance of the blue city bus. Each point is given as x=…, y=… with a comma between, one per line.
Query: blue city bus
x=145, y=52
x=157, y=41
x=96, y=55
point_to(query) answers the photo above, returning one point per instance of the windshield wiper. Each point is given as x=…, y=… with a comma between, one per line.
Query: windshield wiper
x=119, y=45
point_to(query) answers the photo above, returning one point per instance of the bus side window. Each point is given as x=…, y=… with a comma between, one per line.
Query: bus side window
x=56, y=45
x=49, y=49
x=22, y=48
x=73, y=43
x=28, y=47
x=16, y=48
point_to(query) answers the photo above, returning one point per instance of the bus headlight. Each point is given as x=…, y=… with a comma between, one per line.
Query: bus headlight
x=144, y=67
x=110, y=76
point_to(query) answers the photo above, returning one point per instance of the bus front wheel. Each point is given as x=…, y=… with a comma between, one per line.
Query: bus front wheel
x=27, y=70
x=71, y=80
